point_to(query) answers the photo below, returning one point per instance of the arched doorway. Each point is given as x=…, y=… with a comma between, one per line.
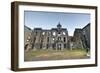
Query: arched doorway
x=59, y=46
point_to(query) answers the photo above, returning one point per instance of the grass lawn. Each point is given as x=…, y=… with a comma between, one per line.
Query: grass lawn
x=40, y=55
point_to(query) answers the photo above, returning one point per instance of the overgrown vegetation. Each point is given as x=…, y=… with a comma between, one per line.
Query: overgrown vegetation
x=39, y=55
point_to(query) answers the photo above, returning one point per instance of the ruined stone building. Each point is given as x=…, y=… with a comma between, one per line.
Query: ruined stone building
x=56, y=38
x=27, y=34
x=81, y=38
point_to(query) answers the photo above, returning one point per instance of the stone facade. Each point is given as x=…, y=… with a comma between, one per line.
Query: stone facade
x=27, y=37
x=81, y=38
x=86, y=33
x=57, y=38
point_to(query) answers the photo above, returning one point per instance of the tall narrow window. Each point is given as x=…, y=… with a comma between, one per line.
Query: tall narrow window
x=43, y=33
x=64, y=33
x=54, y=33
x=34, y=39
x=53, y=46
x=64, y=39
x=47, y=46
x=41, y=43
x=48, y=39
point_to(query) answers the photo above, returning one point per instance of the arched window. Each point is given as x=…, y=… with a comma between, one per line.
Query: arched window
x=59, y=33
x=54, y=33
x=47, y=39
x=64, y=39
x=47, y=46
x=64, y=33
x=43, y=33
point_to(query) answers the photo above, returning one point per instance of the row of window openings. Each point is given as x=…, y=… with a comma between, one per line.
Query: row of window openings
x=59, y=38
x=54, y=33
x=54, y=46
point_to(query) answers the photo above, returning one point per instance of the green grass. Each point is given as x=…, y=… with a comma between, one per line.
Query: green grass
x=39, y=55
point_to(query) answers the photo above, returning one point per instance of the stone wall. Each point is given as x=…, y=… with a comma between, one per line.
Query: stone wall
x=86, y=33
x=81, y=38
x=57, y=38
x=27, y=37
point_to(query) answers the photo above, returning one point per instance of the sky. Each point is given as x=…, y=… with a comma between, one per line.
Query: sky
x=48, y=20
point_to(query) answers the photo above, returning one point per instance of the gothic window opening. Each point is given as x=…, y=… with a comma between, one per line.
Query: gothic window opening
x=41, y=42
x=64, y=33
x=59, y=38
x=64, y=39
x=59, y=46
x=48, y=39
x=54, y=33
x=43, y=33
x=47, y=46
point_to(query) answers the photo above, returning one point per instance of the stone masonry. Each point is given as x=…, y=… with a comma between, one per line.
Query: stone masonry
x=57, y=38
